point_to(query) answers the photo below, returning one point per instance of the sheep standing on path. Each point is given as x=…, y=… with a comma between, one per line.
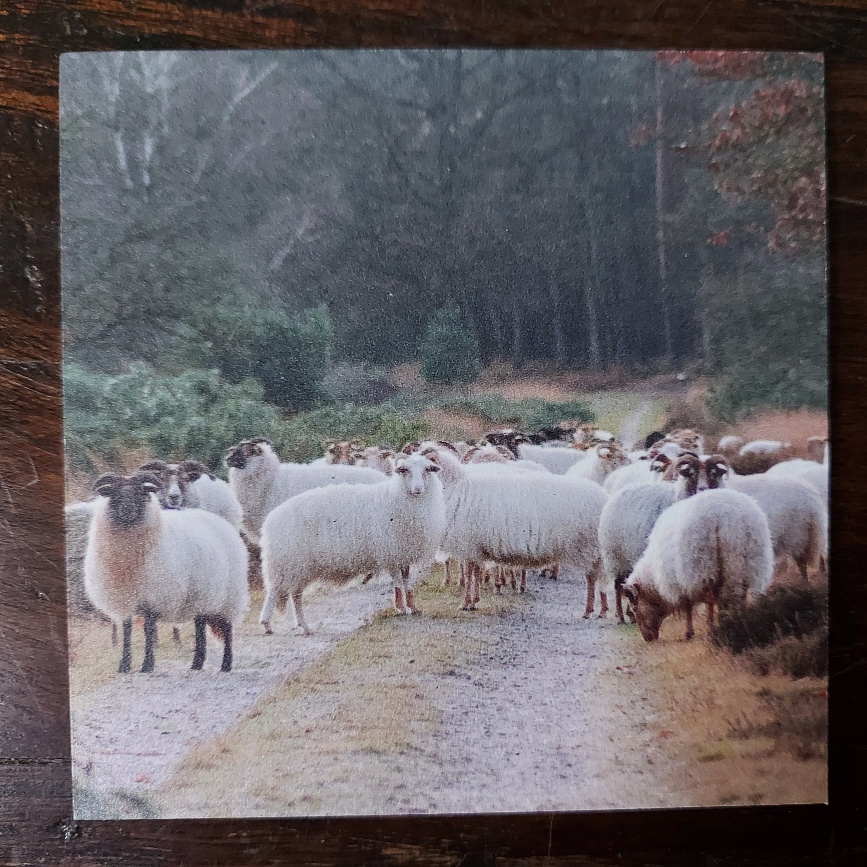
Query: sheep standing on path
x=261, y=482
x=714, y=547
x=338, y=532
x=521, y=520
x=172, y=564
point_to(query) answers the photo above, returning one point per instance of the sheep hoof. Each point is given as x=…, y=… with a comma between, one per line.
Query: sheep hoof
x=268, y=630
x=689, y=635
x=602, y=615
x=587, y=615
x=414, y=611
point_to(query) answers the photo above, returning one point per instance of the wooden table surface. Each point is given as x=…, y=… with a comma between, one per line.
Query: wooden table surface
x=35, y=805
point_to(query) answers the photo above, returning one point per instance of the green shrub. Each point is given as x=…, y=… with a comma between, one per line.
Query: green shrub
x=196, y=414
x=804, y=656
x=300, y=437
x=449, y=352
x=530, y=413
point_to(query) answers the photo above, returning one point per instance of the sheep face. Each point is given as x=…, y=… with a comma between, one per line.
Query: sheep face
x=347, y=452
x=612, y=457
x=716, y=469
x=128, y=497
x=416, y=473
x=648, y=607
x=240, y=456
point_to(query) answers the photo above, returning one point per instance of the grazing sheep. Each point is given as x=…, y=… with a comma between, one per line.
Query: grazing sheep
x=796, y=514
x=632, y=474
x=191, y=485
x=601, y=461
x=631, y=512
x=714, y=547
x=338, y=532
x=261, y=482
x=557, y=460
x=520, y=520
x=173, y=564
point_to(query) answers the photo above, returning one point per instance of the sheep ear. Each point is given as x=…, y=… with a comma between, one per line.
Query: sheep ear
x=154, y=466
x=433, y=468
x=409, y=448
x=151, y=487
x=433, y=457
x=194, y=470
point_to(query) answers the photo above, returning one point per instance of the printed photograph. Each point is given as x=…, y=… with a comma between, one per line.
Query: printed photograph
x=445, y=431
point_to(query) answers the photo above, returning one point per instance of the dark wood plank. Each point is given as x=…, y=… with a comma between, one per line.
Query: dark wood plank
x=34, y=770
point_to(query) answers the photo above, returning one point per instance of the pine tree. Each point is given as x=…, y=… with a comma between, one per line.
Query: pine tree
x=449, y=352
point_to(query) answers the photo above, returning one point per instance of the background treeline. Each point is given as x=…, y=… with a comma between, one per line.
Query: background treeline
x=275, y=217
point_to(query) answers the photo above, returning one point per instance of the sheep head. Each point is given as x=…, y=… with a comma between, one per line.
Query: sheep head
x=716, y=469
x=240, y=455
x=128, y=496
x=415, y=473
x=649, y=608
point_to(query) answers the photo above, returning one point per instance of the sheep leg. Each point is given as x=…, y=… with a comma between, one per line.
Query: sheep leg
x=470, y=571
x=398, y=598
x=555, y=571
x=523, y=581
x=690, y=632
x=603, y=610
x=500, y=581
x=407, y=592
x=477, y=586
x=463, y=579
x=448, y=574
x=268, y=610
x=150, y=634
x=201, y=646
x=113, y=634
x=802, y=571
x=126, y=652
x=591, y=595
x=618, y=598
x=300, y=622
x=176, y=634
x=226, y=628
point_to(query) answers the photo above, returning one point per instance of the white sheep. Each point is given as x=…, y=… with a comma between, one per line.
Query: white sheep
x=714, y=547
x=521, y=520
x=730, y=444
x=191, y=485
x=261, y=482
x=557, y=459
x=380, y=458
x=763, y=447
x=600, y=462
x=173, y=564
x=338, y=532
x=796, y=513
x=631, y=512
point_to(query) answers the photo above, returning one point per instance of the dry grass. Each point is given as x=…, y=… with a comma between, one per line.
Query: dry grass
x=368, y=702
x=733, y=730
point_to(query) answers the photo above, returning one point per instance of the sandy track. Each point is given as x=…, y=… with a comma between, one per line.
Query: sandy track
x=133, y=731
x=628, y=433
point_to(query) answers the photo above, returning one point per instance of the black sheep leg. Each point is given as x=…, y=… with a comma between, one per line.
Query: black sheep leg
x=199, y=654
x=150, y=634
x=226, y=628
x=126, y=653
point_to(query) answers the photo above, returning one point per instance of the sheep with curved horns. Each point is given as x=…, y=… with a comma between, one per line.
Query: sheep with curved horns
x=521, y=520
x=714, y=547
x=335, y=533
x=261, y=482
x=173, y=564
x=191, y=485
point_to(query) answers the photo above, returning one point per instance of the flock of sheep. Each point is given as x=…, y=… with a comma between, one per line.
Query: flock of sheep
x=666, y=527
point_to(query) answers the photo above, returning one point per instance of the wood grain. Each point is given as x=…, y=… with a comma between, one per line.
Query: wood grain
x=34, y=751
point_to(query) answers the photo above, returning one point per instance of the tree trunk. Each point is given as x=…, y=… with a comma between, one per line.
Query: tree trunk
x=557, y=322
x=660, y=220
x=517, y=335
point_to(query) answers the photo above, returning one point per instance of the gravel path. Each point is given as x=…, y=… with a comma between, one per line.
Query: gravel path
x=547, y=718
x=134, y=731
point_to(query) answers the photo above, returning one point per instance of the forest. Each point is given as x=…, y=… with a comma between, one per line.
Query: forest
x=280, y=229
